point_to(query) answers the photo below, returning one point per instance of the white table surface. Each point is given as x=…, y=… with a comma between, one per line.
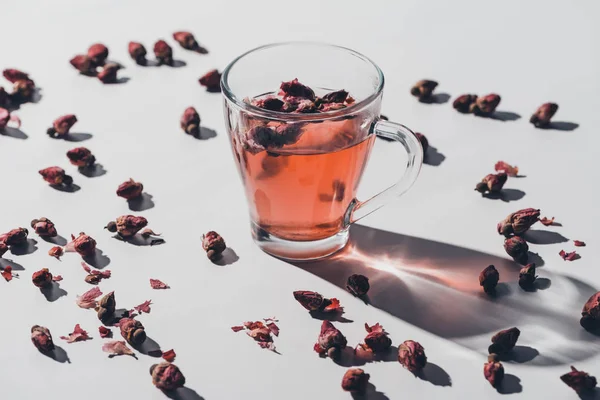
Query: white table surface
x=423, y=253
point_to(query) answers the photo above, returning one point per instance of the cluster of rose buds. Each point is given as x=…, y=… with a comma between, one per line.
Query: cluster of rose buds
x=188, y=42
x=355, y=380
x=130, y=189
x=493, y=371
x=412, y=356
x=56, y=176
x=132, y=331
x=488, y=279
x=482, y=106
x=163, y=53
x=81, y=157
x=518, y=222
x=213, y=244
x=527, y=277
x=44, y=227
x=61, y=126
x=190, y=122
x=579, y=381
x=357, y=284
x=42, y=339
x=590, y=315
x=330, y=342
x=260, y=332
x=492, y=183
x=541, y=118
x=423, y=89
x=517, y=248
x=504, y=341
x=377, y=339
x=167, y=376
x=106, y=308
x=96, y=57
x=211, y=81
x=127, y=226
x=23, y=88
x=6, y=117
x=15, y=237
x=314, y=301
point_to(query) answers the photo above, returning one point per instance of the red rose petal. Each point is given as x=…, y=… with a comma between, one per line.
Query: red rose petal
x=156, y=284
x=501, y=166
x=169, y=355
x=546, y=221
x=375, y=328
x=237, y=328
x=104, y=332
x=7, y=273
x=334, y=306
x=77, y=335
x=144, y=307
x=273, y=328
x=579, y=243
x=569, y=256
x=57, y=278
x=117, y=348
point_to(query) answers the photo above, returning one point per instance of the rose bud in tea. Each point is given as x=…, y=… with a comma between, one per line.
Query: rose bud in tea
x=493, y=371
x=579, y=381
x=127, y=225
x=81, y=157
x=527, y=277
x=492, y=183
x=84, y=65
x=504, y=341
x=190, y=122
x=358, y=284
x=130, y=189
x=44, y=227
x=15, y=237
x=42, y=339
x=518, y=222
x=590, y=315
x=163, y=52
x=541, y=118
x=423, y=89
x=61, y=126
x=211, y=81
x=463, y=103
x=213, y=244
x=330, y=341
x=98, y=53
x=517, y=248
x=488, y=279
x=166, y=376
x=132, y=331
x=137, y=51
x=355, y=380
x=412, y=356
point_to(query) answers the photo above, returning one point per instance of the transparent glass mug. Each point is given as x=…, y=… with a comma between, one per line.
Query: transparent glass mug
x=301, y=171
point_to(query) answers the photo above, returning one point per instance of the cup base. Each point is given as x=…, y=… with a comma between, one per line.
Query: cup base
x=296, y=250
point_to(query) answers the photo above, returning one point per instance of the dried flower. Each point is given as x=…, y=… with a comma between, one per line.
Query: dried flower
x=296, y=89
x=132, y=331
x=547, y=222
x=56, y=176
x=488, y=278
x=377, y=340
x=211, y=80
x=330, y=341
x=78, y=335
x=569, y=256
x=504, y=341
x=15, y=237
x=518, y=222
x=339, y=96
x=163, y=53
x=464, y=102
x=81, y=157
x=88, y=299
x=98, y=53
x=62, y=125
x=137, y=51
x=190, y=122
x=42, y=278
x=23, y=91
x=542, y=116
x=156, y=284
x=169, y=355
x=106, y=308
x=527, y=276
x=104, y=332
x=517, y=248
x=259, y=138
x=84, y=65
x=355, y=380
x=423, y=89
x=260, y=332
x=508, y=169
x=95, y=276
x=268, y=103
x=130, y=189
x=6, y=117
x=590, y=315
x=493, y=371
x=579, y=381
x=412, y=356
x=167, y=376
x=313, y=301
x=44, y=227
x=213, y=244
x=486, y=105
x=83, y=244
x=578, y=243
x=42, y=339
x=144, y=307
x=127, y=225
x=188, y=41
x=491, y=183
x=7, y=273
x=109, y=73
x=358, y=284
x=13, y=75
x=117, y=348
x=56, y=252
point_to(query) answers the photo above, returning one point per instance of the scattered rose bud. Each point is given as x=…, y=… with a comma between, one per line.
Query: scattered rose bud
x=188, y=41
x=541, y=118
x=163, y=53
x=98, y=53
x=423, y=89
x=127, y=225
x=78, y=335
x=84, y=65
x=7, y=273
x=579, y=381
x=88, y=299
x=167, y=376
x=488, y=279
x=13, y=75
x=81, y=157
x=144, y=307
x=590, y=315
x=132, y=331
x=518, y=222
x=330, y=341
x=83, y=244
x=464, y=102
x=295, y=89
x=313, y=301
x=508, y=169
x=547, y=222
x=117, y=348
x=56, y=252
x=42, y=339
x=517, y=248
x=377, y=340
x=569, y=256
x=130, y=189
x=504, y=341
x=260, y=332
x=44, y=227
x=357, y=284
x=491, y=183
x=56, y=176
x=106, y=308
x=486, y=105
x=15, y=237
x=493, y=371
x=211, y=80
x=169, y=355
x=23, y=91
x=355, y=380
x=42, y=278
x=527, y=276
x=104, y=332
x=109, y=73
x=213, y=244
x=578, y=243
x=412, y=356
x=156, y=284
x=190, y=122
x=62, y=125
x=137, y=51
x=6, y=117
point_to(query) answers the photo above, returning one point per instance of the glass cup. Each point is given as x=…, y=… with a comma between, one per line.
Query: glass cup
x=301, y=171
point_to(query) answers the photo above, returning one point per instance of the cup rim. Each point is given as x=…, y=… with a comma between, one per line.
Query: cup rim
x=276, y=115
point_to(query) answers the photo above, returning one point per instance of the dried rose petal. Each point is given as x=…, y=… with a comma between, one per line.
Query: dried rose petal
x=109, y=73
x=83, y=244
x=508, y=169
x=190, y=122
x=213, y=244
x=44, y=227
x=355, y=380
x=42, y=278
x=167, y=376
x=84, y=65
x=527, y=276
x=504, y=341
x=517, y=248
x=542, y=116
x=486, y=105
x=88, y=299
x=578, y=243
x=57, y=278
x=423, y=89
x=144, y=307
x=296, y=89
x=579, y=381
x=132, y=331
x=547, y=222
x=117, y=348
x=78, y=335
x=42, y=339
x=104, y=332
x=13, y=75
x=259, y=332
x=313, y=301
x=98, y=53
x=273, y=328
x=211, y=80
x=130, y=189
x=590, y=315
x=163, y=52
x=7, y=273
x=463, y=103
x=493, y=371
x=330, y=341
x=491, y=183
x=105, y=274
x=377, y=339
x=169, y=355
x=156, y=284
x=56, y=252
x=412, y=356
x=62, y=125
x=238, y=328
x=15, y=237
x=488, y=279
x=358, y=284
x=137, y=51
x=518, y=222
x=569, y=256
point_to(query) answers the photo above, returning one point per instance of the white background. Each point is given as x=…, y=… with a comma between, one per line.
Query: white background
x=528, y=52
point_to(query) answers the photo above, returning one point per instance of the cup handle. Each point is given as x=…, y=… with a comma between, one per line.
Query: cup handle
x=393, y=131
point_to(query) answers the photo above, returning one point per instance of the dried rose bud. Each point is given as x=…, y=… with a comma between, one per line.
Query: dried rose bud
x=56, y=252
x=590, y=315
x=130, y=189
x=93, y=279
x=3, y=248
x=62, y=125
x=213, y=244
x=44, y=227
x=137, y=51
x=84, y=65
x=377, y=340
x=412, y=356
x=167, y=376
x=423, y=89
x=518, y=222
x=330, y=342
x=81, y=157
x=517, y=248
x=109, y=73
x=501, y=166
x=486, y=105
x=190, y=122
x=463, y=103
x=423, y=140
x=492, y=183
x=108, y=302
x=42, y=278
x=13, y=75
x=98, y=53
x=504, y=341
x=269, y=103
x=186, y=40
x=132, y=331
x=211, y=80
x=355, y=380
x=358, y=284
x=493, y=371
x=488, y=278
x=127, y=225
x=313, y=301
x=295, y=89
x=42, y=339
x=163, y=52
x=579, y=381
x=23, y=91
x=339, y=96
x=83, y=244
x=15, y=237
x=541, y=118
x=527, y=276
